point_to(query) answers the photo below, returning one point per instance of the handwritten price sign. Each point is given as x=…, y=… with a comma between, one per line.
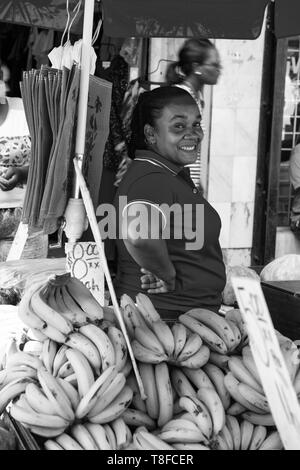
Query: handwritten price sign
x=84, y=263
x=266, y=351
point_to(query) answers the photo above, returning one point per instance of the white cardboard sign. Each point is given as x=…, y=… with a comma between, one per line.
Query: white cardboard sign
x=18, y=243
x=269, y=360
x=84, y=263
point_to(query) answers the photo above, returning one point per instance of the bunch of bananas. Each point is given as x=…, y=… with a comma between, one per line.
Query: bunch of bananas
x=92, y=436
x=53, y=309
x=154, y=341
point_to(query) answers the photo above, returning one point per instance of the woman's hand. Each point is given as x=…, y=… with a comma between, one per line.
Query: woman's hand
x=12, y=177
x=154, y=285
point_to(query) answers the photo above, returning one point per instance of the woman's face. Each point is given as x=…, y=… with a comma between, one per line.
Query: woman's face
x=211, y=68
x=177, y=133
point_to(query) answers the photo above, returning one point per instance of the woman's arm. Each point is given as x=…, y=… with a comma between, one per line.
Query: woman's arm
x=142, y=226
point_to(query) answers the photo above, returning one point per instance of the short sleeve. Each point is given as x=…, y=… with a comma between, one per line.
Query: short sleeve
x=153, y=187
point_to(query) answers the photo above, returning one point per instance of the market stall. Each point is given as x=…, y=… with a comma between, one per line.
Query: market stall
x=96, y=377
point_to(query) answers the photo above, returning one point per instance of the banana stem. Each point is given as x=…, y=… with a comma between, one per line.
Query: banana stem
x=97, y=236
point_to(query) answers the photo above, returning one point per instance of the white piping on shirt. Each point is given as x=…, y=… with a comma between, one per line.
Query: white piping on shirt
x=150, y=204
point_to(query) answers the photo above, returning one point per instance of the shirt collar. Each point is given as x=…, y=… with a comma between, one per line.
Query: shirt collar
x=158, y=159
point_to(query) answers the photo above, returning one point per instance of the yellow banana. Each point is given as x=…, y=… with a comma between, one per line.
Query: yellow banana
x=200, y=414
x=235, y=316
x=212, y=401
x=111, y=437
x=258, y=437
x=219, y=443
x=127, y=367
x=219, y=360
x=180, y=335
x=136, y=418
x=235, y=431
x=23, y=359
x=12, y=390
x=181, y=435
x=45, y=431
x=80, y=433
x=208, y=336
x=259, y=419
x=146, y=308
x=242, y=374
x=272, y=442
x=36, y=419
x=181, y=383
x=247, y=429
x=255, y=398
x=137, y=401
x=127, y=317
x=148, y=441
x=215, y=322
x=48, y=353
x=148, y=339
x=216, y=375
x=36, y=335
x=165, y=336
x=119, y=344
x=180, y=423
x=83, y=371
x=99, y=435
x=59, y=359
x=115, y=409
x=250, y=364
x=78, y=340
x=54, y=334
x=198, y=360
x=80, y=317
x=49, y=444
x=107, y=397
x=132, y=315
x=84, y=298
x=237, y=334
x=147, y=373
x=27, y=315
x=119, y=427
x=232, y=385
x=71, y=391
x=192, y=345
x=67, y=442
x=189, y=446
x=38, y=400
x=164, y=392
x=10, y=374
x=198, y=377
x=226, y=435
x=65, y=370
x=143, y=354
x=33, y=347
x=236, y=409
x=102, y=342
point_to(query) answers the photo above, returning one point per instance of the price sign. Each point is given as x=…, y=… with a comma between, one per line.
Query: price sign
x=84, y=263
x=269, y=360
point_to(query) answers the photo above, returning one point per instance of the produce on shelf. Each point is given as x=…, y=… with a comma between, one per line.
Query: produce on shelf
x=203, y=391
x=283, y=268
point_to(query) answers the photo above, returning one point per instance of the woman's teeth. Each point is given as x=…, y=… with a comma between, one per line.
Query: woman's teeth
x=188, y=148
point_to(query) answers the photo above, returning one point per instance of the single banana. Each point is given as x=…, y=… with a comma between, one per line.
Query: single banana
x=59, y=359
x=216, y=375
x=192, y=345
x=72, y=380
x=242, y=374
x=127, y=317
x=200, y=414
x=180, y=336
x=49, y=444
x=152, y=441
x=164, y=335
x=226, y=435
x=99, y=435
x=65, y=370
x=236, y=409
x=272, y=442
x=137, y=401
x=54, y=334
x=181, y=383
x=259, y=419
x=67, y=442
x=198, y=377
x=146, y=308
x=11, y=374
x=164, y=392
x=219, y=443
x=102, y=342
x=258, y=437
x=33, y=347
x=44, y=431
x=147, y=373
x=212, y=401
x=215, y=322
x=127, y=367
x=36, y=335
x=235, y=316
x=78, y=340
x=71, y=391
x=84, y=298
x=23, y=359
x=219, y=360
x=180, y=423
x=97, y=390
x=132, y=314
x=181, y=435
x=235, y=431
x=80, y=433
x=247, y=429
x=148, y=339
x=189, y=446
x=208, y=336
x=36, y=419
x=115, y=409
x=107, y=397
x=80, y=317
x=198, y=360
x=83, y=371
x=238, y=336
x=232, y=384
x=10, y=391
x=120, y=429
x=38, y=400
x=255, y=398
x=27, y=315
x=136, y=418
x=56, y=394
x=45, y=312
x=250, y=363
x=143, y=354
x=119, y=344
x=111, y=437
x=48, y=354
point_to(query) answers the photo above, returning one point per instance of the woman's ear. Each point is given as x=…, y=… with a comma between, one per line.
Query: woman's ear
x=149, y=134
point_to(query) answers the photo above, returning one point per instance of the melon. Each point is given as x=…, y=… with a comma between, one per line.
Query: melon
x=284, y=268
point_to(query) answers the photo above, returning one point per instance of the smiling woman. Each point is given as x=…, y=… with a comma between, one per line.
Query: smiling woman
x=177, y=258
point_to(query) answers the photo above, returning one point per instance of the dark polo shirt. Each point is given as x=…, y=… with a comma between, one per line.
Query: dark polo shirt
x=200, y=273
